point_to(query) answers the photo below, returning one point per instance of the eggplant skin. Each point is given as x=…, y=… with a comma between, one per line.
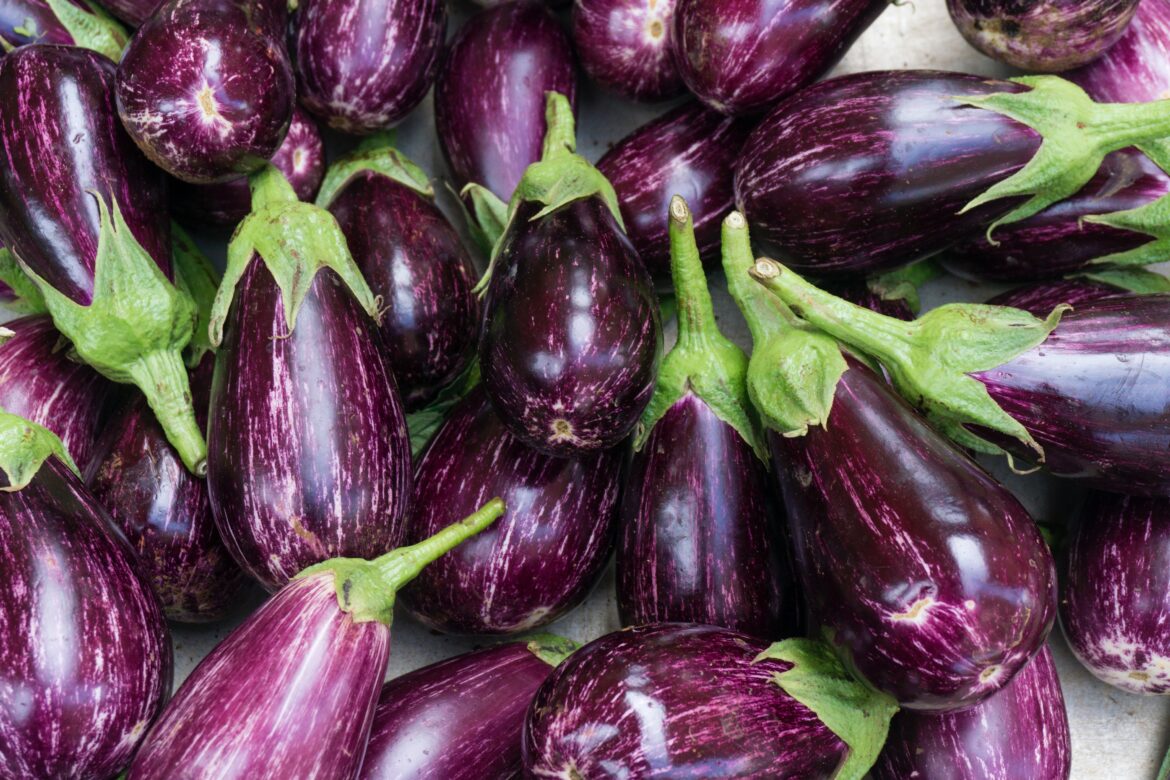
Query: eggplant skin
x=308, y=455
x=133, y=12
x=31, y=21
x=928, y=577
x=1041, y=298
x=625, y=47
x=825, y=179
x=1137, y=68
x=674, y=700
x=572, y=335
x=536, y=562
x=86, y=655
x=1020, y=733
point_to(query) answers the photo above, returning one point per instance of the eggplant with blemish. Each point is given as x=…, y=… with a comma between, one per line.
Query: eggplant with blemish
x=624, y=45
x=1137, y=68
x=65, y=22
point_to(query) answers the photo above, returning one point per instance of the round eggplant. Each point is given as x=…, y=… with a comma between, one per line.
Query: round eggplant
x=64, y=22
x=1137, y=68
x=624, y=45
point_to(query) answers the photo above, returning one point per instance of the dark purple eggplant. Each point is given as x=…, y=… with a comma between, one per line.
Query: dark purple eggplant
x=624, y=45
x=292, y=691
x=741, y=56
x=690, y=701
x=133, y=12
x=490, y=93
x=1020, y=733
x=690, y=151
x=1040, y=299
x=206, y=89
x=85, y=656
x=64, y=22
x=85, y=215
x=1137, y=68
x=460, y=719
x=363, y=65
x=542, y=559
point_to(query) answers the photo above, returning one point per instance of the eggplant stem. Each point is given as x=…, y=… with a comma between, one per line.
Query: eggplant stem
x=561, y=136
x=1164, y=770
x=696, y=314
x=162, y=378
x=765, y=314
x=400, y=566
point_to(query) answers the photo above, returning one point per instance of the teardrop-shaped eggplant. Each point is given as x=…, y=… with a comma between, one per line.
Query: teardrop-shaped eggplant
x=624, y=45
x=1136, y=69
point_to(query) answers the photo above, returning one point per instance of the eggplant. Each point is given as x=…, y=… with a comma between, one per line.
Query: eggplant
x=542, y=559
x=691, y=701
x=460, y=719
x=292, y=691
x=741, y=56
x=1048, y=36
x=309, y=457
x=490, y=92
x=1136, y=68
x=206, y=89
x=85, y=656
x=1020, y=733
x=624, y=45
x=1040, y=299
x=363, y=65
x=414, y=262
x=689, y=151
x=85, y=215
x=132, y=12
x=64, y=22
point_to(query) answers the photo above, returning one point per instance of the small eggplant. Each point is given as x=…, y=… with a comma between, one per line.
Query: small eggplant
x=624, y=45
x=133, y=12
x=460, y=719
x=1040, y=299
x=490, y=92
x=65, y=22
x=291, y=693
x=544, y=556
x=85, y=655
x=206, y=89
x=1137, y=68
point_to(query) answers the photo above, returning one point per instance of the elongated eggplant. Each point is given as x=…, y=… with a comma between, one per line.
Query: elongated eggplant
x=679, y=700
x=460, y=719
x=85, y=654
x=1136, y=69
x=542, y=559
x=133, y=12
x=624, y=45
x=1040, y=299
x=64, y=22
x=689, y=151
x=85, y=215
x=292, y=691
x=490, y=92
x=741, y=56
x=309, y=456
x=1020, y=733
x=206, y=89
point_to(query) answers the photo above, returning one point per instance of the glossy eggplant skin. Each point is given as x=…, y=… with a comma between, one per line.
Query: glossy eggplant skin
x=133, y=12
x=624, y=45
x=411, y=256
x=688, y=151
x=541, y=558
x=927, y=576
x=86, y=656
x=1020, y=733
x=490, y=93
x=1040, y=299
x=206, y=89
x=674, y=700
x=31, y=21
x=290, y=693
x=308, y=456
x=572, y=334
x=1137, y=68
x=789, y=184
x=458, y=719
x=741, y=56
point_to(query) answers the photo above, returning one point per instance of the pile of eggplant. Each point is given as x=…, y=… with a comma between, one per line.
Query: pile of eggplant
x=263, y=371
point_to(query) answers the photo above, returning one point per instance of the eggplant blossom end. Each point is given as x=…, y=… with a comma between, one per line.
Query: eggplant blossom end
x=24, y=447
x=375, y=154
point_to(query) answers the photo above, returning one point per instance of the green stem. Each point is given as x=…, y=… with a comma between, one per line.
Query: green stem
x=1164, y=770
x=270, y=187
x=561, y=136
x=696, y=314
x=162, y=378
x=765, y=314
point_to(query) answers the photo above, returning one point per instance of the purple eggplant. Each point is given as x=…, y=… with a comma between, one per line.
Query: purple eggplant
x=292, y=691
x=690, y=151
x=741, y=56
x=85, y=215
x=460, y=719
x=490, y=92
x=65, y=22
x=1137, y=68
x=1040, y=299
x=133, y=12
x=542, y=559
x=691, y=701
x=85, y=659
x=1020, y=733
x=363, y=65
x=206, y=89
x=624, y=45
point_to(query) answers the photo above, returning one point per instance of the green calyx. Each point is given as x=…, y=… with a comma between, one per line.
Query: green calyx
x=28, y=298
x=552, y=649
x=195, y=275
x=24, y=447
x=294, y=240
x=1152, y=219
x=902, y=284
x=375, y=154
x=1134, y=280
x=91, y=29
x=425, y=423
x=366, y=590
x=857, y=714
x=488, y=217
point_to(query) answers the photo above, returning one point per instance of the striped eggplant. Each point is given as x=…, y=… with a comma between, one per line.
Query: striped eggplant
x=85, y=215
x=490, y=92
x=1041, y=298
x=85, y=655
x=291, y=693
x=741, y=56
x=1020, y=733
x=133, y=12
x=414, y=262
x=64, y=22
x=1045, y=36
x=701, y=538
x=363, y=65
x=460, y=719
x=1137, y=68
x=624, y=45
x=542, y=559
x=689, y=151
x=688, y=701
x=206, y=89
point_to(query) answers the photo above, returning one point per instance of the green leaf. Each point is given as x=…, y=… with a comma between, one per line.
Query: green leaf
x=91, y=29
x=24, y=447
x=425, y=423
x=1134, y=280
x=28, y=298
x=902, y=284
x=1153, y=219
x=376, y=154
x=195, y=275
x=488, y=217
x=552, y=649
